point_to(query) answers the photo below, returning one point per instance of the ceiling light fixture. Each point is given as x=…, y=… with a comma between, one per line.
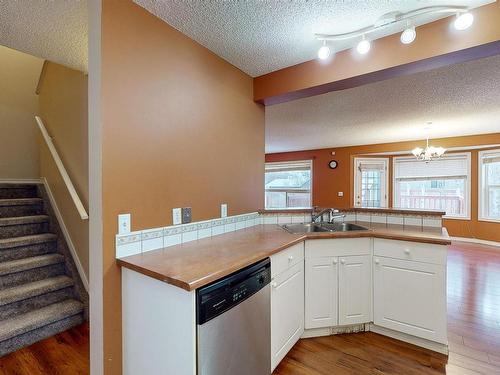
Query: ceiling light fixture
x=363, y=46
x=463, y=21
x=324, y=51
x=428, y=153
x=408, y=35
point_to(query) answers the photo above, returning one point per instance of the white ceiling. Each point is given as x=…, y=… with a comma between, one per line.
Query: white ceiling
x=462, y=99
x=260, y=36
x=53, y=30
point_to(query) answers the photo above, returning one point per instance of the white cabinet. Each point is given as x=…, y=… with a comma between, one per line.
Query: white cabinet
x=338, y=282
x=287, y=304
x=410, y=297
x=321, y=292
x=355, y=292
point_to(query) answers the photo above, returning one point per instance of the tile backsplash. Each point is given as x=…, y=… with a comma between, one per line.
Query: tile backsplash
x=157, y=238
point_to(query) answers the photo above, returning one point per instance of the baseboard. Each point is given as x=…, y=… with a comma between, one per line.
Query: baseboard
x=67, y=237
x=431, y=345
x=36, y=181
x=477, y=240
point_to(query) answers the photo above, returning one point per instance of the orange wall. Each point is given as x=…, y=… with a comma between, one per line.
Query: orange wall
x=180, y=128
x=327, y=182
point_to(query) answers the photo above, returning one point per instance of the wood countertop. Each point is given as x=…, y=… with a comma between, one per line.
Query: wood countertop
x=195, y=264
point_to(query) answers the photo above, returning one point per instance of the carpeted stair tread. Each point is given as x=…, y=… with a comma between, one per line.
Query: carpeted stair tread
x=20, y=220
x=24, y=264
x=27, y=240
x=25, y=291
x=20, y=201
x=35, y=319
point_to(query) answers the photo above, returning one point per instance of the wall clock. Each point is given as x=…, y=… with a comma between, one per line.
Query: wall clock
x=333, y=164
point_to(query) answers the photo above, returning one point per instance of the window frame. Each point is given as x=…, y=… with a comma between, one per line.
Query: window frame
x=481, y=189
x=311, y=164
x=468, y=192
x=374, y=160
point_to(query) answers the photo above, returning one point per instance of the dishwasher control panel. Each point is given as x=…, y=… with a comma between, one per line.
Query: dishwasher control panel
x=221, y=295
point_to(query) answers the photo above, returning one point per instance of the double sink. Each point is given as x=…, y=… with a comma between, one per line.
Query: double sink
x=322, y=227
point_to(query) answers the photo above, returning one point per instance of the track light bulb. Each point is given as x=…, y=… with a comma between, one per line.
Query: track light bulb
x=408, y=35
x=463, y=21
x=324, y=52
x=363, y=47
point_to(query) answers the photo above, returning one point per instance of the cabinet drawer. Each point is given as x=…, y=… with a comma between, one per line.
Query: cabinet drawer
x=287, y=258
x=332, y=247
x=406, y=250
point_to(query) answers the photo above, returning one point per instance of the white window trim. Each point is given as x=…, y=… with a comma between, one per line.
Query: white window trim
x=480, y=187
x=467, y=185
x=356, y=183
x=311, y=163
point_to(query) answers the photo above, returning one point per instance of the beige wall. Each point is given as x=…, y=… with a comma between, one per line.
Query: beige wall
x=180, y=128
x=19, y=74
x=63, y=109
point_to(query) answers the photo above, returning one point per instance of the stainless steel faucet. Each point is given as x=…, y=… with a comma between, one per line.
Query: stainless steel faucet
x=332, y=215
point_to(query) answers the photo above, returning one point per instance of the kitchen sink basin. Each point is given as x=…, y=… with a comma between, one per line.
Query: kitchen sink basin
x=322, y=227
x=304, y=228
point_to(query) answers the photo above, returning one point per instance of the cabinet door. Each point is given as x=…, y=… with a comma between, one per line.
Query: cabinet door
x=321, y=292
x=410, y=297
x=287, y=311
x=355, y=289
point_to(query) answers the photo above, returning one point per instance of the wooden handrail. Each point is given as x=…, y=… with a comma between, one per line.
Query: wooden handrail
x=60, y=166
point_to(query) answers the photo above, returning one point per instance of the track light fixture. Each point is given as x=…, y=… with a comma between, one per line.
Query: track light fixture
x=463, y=21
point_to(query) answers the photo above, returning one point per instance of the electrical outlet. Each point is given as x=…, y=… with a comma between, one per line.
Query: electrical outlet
x=123, y=223
x=176, y=216
x=223, y=210
x=340, y=193
x=186, y=215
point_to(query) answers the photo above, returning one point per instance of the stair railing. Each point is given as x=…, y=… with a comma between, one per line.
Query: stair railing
x=60, y=166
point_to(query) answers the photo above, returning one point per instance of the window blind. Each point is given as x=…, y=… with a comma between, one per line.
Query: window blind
x=447, y=166
x=304, y=165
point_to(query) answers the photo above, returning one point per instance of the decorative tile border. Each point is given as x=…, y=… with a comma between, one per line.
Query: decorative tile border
x=158, y=238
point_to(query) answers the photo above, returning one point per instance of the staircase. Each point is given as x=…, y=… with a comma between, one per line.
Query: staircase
x=41, y=293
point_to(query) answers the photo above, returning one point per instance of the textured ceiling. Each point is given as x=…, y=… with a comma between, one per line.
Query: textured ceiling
x=260, y=36
x=462, y=99
x=55, y=30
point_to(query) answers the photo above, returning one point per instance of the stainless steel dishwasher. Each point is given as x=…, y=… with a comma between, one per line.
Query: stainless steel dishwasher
x=234, y=323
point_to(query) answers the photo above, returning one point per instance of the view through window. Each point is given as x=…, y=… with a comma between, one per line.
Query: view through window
x=489, y=185
x=288, y=184
x=441, y=184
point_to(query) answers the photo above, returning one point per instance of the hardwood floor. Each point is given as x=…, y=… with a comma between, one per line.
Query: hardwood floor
x=64, y=354
x=473, y=331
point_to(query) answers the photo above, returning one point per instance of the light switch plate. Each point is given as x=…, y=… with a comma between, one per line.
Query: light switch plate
x=340, y=193
x=176, y=216
x=223, y=210
x=123, y=223
x=186, y=215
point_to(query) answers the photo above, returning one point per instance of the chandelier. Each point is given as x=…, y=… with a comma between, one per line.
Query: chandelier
x=428, y=153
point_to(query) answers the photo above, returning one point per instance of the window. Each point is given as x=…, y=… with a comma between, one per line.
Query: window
x=370, y=182
x=442, y=184
x=489, y=185
x=288, y=184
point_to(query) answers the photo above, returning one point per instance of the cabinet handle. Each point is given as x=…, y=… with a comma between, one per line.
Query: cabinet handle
x=407, y=251
x=377, y=261
x=335, y=261
x=342, y=261
x=290, y=258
